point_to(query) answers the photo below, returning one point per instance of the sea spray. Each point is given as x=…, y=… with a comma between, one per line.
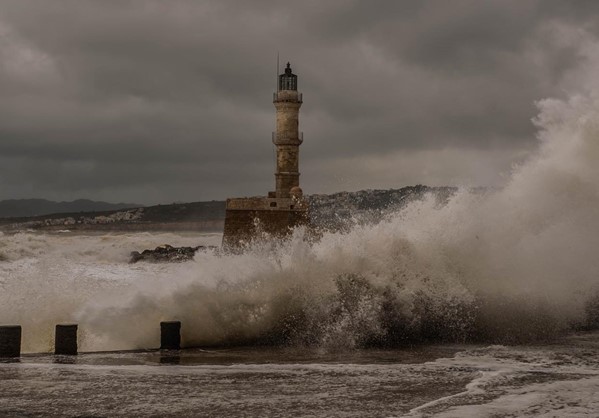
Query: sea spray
x=46, y=279
x=508, y=265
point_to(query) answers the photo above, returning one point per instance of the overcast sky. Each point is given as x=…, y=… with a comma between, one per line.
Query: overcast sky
x=160, y=101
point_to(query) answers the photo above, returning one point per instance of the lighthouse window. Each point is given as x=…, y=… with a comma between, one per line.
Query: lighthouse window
x=287, y=82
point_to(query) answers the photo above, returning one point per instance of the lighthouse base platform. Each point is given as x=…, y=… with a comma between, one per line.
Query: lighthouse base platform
x=253, y=218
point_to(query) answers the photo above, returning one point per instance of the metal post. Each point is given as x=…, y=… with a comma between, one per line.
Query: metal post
x=10, y=341
x=65, y=341
x=170, y=335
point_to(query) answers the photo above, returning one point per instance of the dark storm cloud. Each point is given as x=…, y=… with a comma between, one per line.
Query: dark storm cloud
x=171, y=100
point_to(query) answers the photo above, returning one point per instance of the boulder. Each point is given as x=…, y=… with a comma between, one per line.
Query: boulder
x=167, y=253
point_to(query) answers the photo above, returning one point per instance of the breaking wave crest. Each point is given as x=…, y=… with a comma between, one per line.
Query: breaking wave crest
x=508, y=265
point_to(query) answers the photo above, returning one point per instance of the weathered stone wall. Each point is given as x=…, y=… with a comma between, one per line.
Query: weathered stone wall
x=264, y=203
x=288, y=159
x=287, y=118
x=287, y=141
x=285, y=182
x=246, y=219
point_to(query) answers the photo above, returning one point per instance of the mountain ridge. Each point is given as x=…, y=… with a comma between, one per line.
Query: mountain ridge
x=20, y=208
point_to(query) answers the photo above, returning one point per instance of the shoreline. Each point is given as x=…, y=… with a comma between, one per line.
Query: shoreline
x=208, y=226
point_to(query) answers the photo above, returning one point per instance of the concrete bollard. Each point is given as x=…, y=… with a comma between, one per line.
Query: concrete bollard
x=170, y=335
x=10, y=341
x=65, y=341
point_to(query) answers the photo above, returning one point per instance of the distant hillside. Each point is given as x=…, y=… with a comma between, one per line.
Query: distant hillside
x=328, y=212
x=196, y=216
x=37, y=207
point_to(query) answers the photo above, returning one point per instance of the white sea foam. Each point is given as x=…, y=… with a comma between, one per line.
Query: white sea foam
x=47, y=278
x=549, y=381
x=575, y=398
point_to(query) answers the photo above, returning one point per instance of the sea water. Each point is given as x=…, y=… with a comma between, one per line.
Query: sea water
x=550, y=380
x=507, y=277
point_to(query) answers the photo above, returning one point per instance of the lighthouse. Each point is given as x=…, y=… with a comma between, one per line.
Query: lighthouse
x=287, y=138
x=278, y=213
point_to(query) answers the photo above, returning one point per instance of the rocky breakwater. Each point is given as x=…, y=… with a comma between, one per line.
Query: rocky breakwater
x=168, y=254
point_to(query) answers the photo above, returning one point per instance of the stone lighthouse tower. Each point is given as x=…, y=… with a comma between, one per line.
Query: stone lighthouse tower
x=287, y=138
x=275, y=215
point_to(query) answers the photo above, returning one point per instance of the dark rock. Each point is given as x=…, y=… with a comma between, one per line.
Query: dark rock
x=168, y=253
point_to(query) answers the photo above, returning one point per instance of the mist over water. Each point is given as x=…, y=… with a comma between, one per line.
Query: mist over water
x=510, y=265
